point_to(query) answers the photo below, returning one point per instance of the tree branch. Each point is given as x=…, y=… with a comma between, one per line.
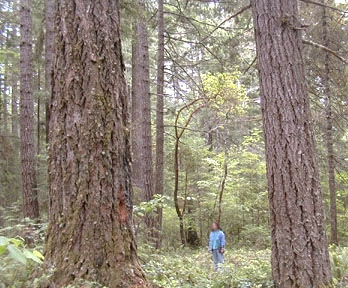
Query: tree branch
x=324, y=5
x=250, y=65
x=326, y=49
x=228, y=19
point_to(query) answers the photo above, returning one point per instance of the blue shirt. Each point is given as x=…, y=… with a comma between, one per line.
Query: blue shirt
x=216, y=240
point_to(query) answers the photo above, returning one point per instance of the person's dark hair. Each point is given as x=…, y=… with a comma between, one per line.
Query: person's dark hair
x=217, y=225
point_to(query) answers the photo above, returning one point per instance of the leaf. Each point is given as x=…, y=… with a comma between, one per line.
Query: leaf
x=38, y=254
x=16, y=254
x=2, y=249
x=30, y=255
x=3, y=241
x=16, y=242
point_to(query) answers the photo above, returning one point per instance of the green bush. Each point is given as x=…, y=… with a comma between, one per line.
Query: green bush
x=339, y=265
x=182, y=268
x=17, y=261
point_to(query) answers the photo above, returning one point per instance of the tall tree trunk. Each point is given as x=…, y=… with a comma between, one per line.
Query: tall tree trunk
x=159, y=168
x=222, y=185
x=49, y=54
x=39, y=46
x=329, y=131
x=38, y=114
x=14, y=106
x=5, y=98
x=300, y=255
x=179, y=132
x=90, y=234
x=30, y=199
x=180, y=213
x=141, y=112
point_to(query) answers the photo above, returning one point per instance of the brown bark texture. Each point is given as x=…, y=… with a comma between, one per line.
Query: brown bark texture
x=222, y=186
x=49, y=54
x=329, y=131
x=159, y=166
x=141, y=120
x=299, y=243
x=28, y=166
x=90, y=234
x=14, y=106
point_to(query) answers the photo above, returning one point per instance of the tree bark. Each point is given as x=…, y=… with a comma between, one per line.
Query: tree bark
x=300, y=255
x=39, y=47
x=90, y=234
x=30, y=199
x=329, y=131
x=159, y=168
x=222, y=185
x=5, y=98
x=49, y=54
x=141, y=112
x=38, y=114
x=14, y=106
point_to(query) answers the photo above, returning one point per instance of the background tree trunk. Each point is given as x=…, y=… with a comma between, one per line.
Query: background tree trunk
x=141, y=120
x=30, y=199
x=159, y=168
x=14, y=106
x=90, y=225
x=329, y=131
x=49, y=54
x=5, y=96
x=222, y=186
x=299, y=245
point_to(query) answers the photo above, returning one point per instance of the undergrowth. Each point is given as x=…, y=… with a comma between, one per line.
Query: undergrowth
x=171, y=268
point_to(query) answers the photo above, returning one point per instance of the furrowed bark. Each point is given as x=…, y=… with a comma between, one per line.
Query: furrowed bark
x=299, y=244
x=90, y=233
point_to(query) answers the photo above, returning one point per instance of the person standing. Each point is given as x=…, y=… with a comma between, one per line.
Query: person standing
x=217, y=245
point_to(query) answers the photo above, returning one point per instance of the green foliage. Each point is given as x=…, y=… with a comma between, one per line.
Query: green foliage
x=339, y=265
x=158, y=201
x=225, y=93
x=193, y=268
x=17, y=262
x=16, y=250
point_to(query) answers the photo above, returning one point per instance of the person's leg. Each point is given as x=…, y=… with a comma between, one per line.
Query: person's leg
x=221, y=260
x=215, y=254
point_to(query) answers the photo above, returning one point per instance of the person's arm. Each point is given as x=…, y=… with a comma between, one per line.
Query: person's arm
x=210, y=242
x=222, y=242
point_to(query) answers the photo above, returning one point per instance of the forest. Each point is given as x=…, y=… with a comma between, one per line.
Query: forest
x=132, y=130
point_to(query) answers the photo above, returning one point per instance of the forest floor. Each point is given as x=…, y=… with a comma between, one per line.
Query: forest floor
x=245, y=267
x=185, y=268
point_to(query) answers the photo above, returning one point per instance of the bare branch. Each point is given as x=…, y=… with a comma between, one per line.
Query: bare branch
x=250, y=65
x=326, y=49
x=324, y=5
x=226, y=20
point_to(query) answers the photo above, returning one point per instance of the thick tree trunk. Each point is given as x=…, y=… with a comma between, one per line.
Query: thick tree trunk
x=159, y=168
x=49, y=54
x=90, y=234
x=299, y=244
x=30, y=200
x=141, y=117
x=329, y=131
